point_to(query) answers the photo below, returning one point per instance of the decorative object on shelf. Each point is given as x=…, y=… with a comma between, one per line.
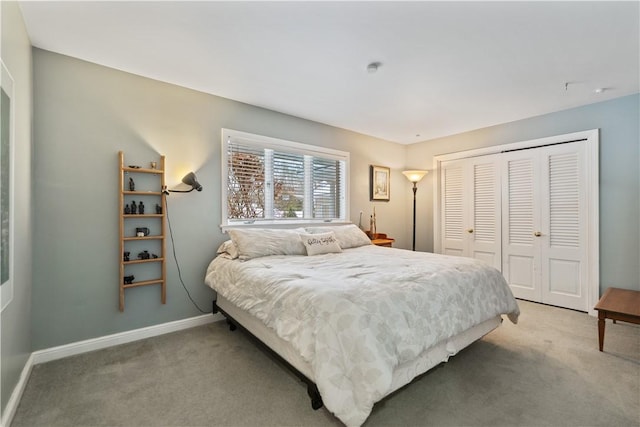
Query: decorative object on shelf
x=141, y=208
x=134, y=166
x=132, y=185
x=414, y=176
x=375, y=222
x=127, y=209
x=142, y=231
x=144, y=255
x=153, y=165
x=134, y=207
x=125, y=256
x=379, y=183
x=373, y=225
x=154, y=256
x=128, y=279
x=189, y=179
x=158, y=209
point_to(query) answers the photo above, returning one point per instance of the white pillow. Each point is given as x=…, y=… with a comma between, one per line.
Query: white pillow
x=321, y=243
x=259, y=242
x=228, y=249
x=349, y=236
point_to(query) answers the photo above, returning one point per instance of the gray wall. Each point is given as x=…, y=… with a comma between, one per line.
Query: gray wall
x=619, y=124
x=84, y=113
x=16, y=318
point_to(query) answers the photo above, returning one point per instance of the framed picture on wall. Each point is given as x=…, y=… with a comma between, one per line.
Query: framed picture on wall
x=6, y=186
x=379, y=183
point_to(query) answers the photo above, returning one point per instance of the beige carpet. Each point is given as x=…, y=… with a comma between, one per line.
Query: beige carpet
x=545, y=371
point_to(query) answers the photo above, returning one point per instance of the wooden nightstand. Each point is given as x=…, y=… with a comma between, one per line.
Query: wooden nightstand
x=381, y=239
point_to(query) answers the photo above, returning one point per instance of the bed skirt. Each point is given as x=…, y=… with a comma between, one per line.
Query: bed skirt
x=403, y=374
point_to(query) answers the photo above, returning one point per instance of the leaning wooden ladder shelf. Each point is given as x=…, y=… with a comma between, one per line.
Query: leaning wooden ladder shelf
x=130, y=234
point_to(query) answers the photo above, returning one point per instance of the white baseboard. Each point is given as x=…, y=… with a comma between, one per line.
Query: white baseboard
x=14, y=400
x=54, y=353
x=59, y=352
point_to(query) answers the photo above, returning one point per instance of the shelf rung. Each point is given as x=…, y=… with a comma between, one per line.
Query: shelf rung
x=143, y=238
x=141, y=193
x=143, y=283
x=142, y=261
x=142, y=170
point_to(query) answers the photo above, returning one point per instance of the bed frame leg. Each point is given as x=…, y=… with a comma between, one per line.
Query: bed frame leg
x=314, y=394
x=215, y=309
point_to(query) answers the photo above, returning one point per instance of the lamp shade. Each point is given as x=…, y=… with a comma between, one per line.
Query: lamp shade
x=414, y=175
x=190, y=179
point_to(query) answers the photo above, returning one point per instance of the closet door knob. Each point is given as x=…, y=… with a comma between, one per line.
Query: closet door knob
x=537, y=234
x=470, y=230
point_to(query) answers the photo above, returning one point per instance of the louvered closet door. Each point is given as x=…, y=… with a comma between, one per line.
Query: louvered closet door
x=484, y=225
x=471, y=209
x=520, y=220
x=453, y=212
x=564, y=244
x=544, y=248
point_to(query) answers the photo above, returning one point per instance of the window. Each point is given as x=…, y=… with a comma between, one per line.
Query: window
x=273, y=181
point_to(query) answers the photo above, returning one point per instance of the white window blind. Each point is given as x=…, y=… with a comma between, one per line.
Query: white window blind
x=267, y=180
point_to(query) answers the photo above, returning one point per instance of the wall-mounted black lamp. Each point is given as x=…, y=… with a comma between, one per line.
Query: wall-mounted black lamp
x=189, y=179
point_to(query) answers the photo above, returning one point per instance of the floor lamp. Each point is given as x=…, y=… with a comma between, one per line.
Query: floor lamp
x=415, y=177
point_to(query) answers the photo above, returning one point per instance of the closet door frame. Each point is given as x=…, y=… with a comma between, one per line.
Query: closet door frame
x=592, y=202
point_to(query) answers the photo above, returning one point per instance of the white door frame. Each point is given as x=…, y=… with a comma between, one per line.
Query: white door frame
x=593, y=199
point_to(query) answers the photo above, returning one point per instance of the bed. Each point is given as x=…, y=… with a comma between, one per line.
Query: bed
x=354, y=320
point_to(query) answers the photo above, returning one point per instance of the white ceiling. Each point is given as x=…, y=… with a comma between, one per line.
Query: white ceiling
x=447, y=67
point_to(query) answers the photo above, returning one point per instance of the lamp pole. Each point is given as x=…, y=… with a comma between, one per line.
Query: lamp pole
x=414, y=176
x=415, y=188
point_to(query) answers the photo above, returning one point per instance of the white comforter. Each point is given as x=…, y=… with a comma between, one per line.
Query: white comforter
x=356, y=315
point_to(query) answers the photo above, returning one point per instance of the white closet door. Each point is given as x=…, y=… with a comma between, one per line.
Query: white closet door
x=471, y=209
x=564, y=248
x=453, y=208
x=545, y=252
x=485, y=205
x=520, y=220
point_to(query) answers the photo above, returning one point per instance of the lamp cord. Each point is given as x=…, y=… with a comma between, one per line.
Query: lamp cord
x=173, y=248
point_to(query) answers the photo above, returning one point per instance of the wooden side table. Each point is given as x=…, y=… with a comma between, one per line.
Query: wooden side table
x=617, y=304
x=381, y=239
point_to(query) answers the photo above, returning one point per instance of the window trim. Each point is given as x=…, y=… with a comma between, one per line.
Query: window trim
x=285, y=146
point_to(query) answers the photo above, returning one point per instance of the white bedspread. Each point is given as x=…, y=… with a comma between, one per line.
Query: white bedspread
x=356, y=315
